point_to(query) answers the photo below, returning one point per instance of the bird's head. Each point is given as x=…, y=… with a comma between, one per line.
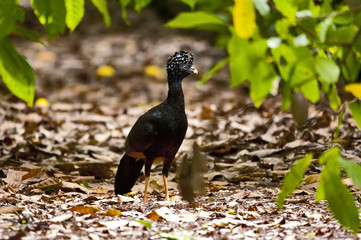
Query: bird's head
x=181, y=64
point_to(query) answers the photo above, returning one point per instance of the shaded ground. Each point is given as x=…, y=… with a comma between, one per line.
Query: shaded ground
x=58, y=162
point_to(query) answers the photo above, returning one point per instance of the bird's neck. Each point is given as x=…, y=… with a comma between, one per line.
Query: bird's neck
x=175, y=93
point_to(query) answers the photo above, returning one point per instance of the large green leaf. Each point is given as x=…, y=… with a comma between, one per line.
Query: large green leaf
x=74, y=13
x=351, y=67
x=194, y=19
x=353, y=170
x=331, y=188
x=261, y=82
x=140, y=4
x=51, y=14
x=123, y=6
x=304, y=70
x=311, y=90
x=328, y=70
x=244, y=57
x=293, y=178
x=16, y=72
x=355, y=108
x=333, y=97
x=102, y=7
x=10, y=13
x=287, y=7
x=341, y=35
x=28, y=34
x=322, y=29
x=190, y=3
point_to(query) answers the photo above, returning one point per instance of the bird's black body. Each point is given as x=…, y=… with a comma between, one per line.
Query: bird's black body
x=158, y=133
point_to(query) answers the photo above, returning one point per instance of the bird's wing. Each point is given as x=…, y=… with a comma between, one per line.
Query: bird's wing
x=143, y=134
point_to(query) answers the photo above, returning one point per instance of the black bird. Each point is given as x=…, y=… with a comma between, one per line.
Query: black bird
x=158, y=133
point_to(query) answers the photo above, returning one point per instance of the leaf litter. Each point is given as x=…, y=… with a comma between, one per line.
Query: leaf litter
x=58, y=161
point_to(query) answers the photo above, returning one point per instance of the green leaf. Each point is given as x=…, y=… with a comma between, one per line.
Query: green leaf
x=339, y=122
x=287, y=7
x=286, y=96
x=328, y=70
x=140, y=4
x=85, y=183
x=335, y=100
x=261, y=82
x=244, y=56
x=342, y=35
x=282, y=26
x=190, y=3
x=311, y=91
x=16, y=72
x=74, y=13
x=51, y=14
x=351, y=67
x=293, y=178
x=352, y=170
x=194, y=19
x=123, y=5
x=218, y=66
x=262, y=7
x=304, y=70
x=329, y=154
x=102, y=7
x=145, y=223
x=322, y=29
x=355, y=108
x=28, y=34
x=10, y=13
x=339, y=199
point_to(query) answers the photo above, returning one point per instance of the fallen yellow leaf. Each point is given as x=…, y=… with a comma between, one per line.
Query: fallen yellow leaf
x=311, y=178
x=84, y=210
x=105, y=71
x=42, y=103
x=244, y=18
x=31, y=173
x=154, y=71
x=354, y=88
x=153, y=215
x=111, y=212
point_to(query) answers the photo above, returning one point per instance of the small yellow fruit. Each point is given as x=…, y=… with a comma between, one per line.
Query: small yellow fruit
x=42, y=103
x=105, y=71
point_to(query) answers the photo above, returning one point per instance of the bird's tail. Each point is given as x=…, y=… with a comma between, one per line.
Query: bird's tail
x=127, y=174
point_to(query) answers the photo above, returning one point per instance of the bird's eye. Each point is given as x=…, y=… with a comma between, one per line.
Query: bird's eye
x=184, y=67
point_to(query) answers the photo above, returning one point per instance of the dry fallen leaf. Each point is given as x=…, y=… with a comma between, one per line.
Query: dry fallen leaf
x=111, y=212
x=53, y=183
x=84, y=210
x=31, y=173
x=153, y=215
x=311, y=178
x=11, y=209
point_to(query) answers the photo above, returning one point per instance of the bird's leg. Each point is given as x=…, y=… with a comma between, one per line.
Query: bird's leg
x=146, y=189
x=166, y=188
x=147, y=166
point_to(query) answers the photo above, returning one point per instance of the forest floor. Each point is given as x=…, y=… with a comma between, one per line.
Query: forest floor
x=58, y=161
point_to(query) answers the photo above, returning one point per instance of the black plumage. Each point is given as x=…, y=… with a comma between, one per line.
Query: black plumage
x=158, y=133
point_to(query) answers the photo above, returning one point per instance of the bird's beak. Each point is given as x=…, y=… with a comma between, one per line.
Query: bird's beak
x=193, y=70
